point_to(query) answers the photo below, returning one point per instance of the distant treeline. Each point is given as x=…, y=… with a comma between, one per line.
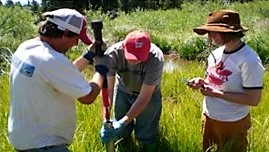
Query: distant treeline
x=111, y=6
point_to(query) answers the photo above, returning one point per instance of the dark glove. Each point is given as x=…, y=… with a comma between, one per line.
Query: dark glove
x=108, y=134
x=104, y=132
x=90, y=51
x=102, y=69
x=100, y=65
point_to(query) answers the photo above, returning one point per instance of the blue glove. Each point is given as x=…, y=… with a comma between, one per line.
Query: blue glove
x=105, y=133
x=108, y=134
x=118, y=125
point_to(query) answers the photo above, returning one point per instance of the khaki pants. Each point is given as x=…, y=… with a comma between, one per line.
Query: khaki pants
x=225, y=136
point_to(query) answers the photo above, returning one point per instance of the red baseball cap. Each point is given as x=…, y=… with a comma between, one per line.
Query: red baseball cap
x=136, y=45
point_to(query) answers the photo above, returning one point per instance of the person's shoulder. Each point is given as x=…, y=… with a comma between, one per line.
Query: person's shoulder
x=115, y=47
x=248, y=53
x=28, y=45
x=154, y=49
x=156, y=54
x=31, y=43
x=219, y=49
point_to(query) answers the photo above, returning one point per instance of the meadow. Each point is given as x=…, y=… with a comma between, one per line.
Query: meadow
x=171, y=30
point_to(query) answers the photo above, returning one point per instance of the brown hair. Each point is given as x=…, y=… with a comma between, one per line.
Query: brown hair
x=49, y=29
x=228, y=36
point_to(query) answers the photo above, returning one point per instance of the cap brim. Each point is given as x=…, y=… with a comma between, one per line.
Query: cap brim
x=129, y=55
x=205, y=29
x=132, y=56
x=84, y=36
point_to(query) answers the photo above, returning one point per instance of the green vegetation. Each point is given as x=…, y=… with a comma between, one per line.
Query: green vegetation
x=180, y=120
x=172, y=31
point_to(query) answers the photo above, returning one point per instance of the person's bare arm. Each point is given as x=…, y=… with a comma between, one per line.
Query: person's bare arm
x=249, y=97
x=140, y=103
x=110, y=89
x=96, y=83
x=81, y=63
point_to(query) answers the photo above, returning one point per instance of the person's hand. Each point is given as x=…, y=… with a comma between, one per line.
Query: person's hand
x=108, y=134
x=90, y=51
x=196, y=83
x=208, y=90
x=118, y=125
x=100, y=65
x=94, y=46
x=99, y=59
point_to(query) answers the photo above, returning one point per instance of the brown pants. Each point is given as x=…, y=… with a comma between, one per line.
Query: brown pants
x=225, y=136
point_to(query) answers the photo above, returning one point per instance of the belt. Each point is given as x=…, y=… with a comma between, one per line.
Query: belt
x=136, y=93
x=35, y=149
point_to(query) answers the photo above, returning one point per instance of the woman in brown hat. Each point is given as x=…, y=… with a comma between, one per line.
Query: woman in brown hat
x=232, y=84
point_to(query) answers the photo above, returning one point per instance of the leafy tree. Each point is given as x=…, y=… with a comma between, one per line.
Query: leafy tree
x=126, y=5
x=95, y=4
x=35, y=7
x=18, y=4
x=79, y=5
x=9, y=3
x=110, y=5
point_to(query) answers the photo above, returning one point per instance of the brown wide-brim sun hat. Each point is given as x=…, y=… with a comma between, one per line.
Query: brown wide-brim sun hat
x=221, y=21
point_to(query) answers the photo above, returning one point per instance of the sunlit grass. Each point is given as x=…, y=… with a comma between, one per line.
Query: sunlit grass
x=180, y=120
x=172, y=31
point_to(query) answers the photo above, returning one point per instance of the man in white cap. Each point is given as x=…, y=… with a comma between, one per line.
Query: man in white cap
x=44, y=84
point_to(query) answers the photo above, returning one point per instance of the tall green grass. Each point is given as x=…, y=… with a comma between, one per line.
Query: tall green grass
x=172, y=31
x=180, y=120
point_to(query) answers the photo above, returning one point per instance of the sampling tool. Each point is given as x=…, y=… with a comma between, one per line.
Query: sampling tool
x=97, y=26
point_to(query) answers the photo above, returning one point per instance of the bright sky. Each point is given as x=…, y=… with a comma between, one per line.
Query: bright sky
x=21, y=1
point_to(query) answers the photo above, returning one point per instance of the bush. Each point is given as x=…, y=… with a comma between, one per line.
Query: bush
x=16, y=25
x=194, y=48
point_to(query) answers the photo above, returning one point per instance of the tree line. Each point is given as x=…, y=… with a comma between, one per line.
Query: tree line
x=109, y=6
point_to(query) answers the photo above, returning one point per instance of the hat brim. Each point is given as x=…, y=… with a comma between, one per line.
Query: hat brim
x=209, y=28
x=84, y=36
x=131, y=56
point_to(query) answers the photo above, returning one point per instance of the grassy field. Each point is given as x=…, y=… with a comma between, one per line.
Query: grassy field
x=172, y=31
x=180, y=120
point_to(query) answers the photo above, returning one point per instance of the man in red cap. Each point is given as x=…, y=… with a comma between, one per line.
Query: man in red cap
x=44, y=85
x=233, y=83
x=137, y=66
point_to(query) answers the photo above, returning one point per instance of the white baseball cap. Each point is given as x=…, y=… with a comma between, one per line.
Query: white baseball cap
x=72, y=20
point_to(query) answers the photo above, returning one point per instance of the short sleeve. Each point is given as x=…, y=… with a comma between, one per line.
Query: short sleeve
x=65, y=77
x=252, y=73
